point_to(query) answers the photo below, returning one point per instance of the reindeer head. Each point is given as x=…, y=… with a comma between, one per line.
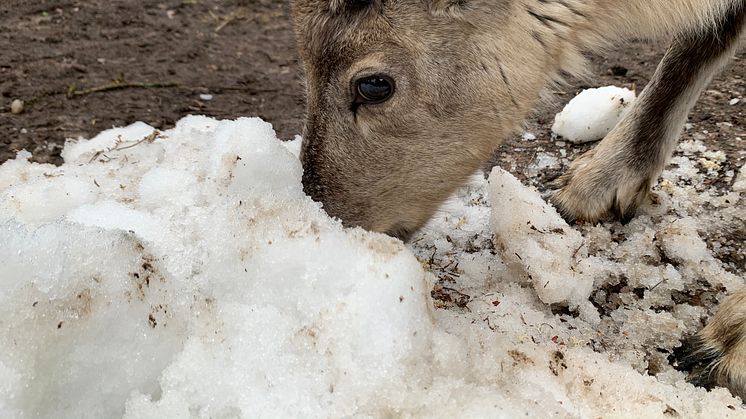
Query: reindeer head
x=405, y=100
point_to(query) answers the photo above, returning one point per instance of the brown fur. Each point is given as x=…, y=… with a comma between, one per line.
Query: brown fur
x=716, y=356
x=467, y=72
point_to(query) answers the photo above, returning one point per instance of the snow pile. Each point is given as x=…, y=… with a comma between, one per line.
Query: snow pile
x=161, y=274
x=592, y=114
x=185, y=274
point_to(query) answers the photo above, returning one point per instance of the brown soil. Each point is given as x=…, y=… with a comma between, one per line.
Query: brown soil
x=241, y=52
x=165, y=54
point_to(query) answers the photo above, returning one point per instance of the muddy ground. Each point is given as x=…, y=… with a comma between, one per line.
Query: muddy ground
x=85, y=66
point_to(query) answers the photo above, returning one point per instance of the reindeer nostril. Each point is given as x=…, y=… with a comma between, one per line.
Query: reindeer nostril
x=311, y=162
x=312, y=188
x=400, y=232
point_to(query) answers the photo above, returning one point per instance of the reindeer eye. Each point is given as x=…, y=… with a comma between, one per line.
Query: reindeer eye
x=374, y=89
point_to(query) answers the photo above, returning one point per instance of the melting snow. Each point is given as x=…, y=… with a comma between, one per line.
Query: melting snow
x=185, y=274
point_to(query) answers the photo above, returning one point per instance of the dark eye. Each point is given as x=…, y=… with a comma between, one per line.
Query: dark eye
x=374, y=89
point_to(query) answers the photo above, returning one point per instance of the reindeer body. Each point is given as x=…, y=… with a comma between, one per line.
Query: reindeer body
x=407, y=98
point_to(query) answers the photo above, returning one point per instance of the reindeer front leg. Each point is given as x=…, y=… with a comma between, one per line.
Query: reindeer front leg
x=614, y=179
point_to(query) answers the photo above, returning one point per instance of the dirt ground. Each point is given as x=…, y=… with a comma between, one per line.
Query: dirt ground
x=82, y=66
x=240, y=52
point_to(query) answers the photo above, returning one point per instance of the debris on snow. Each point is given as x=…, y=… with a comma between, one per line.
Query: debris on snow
x=592, y=114
x=653, y=283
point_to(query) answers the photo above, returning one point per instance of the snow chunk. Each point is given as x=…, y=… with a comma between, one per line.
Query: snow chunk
x=681, y=242
x=740, y=184
x=592, y=114
x=533, y=237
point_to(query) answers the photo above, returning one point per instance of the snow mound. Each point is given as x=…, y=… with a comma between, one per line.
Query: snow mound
x=158, y=274
x=185, y=274
x=592, y=114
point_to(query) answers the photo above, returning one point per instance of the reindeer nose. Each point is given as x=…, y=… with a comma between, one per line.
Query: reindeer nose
x=311, y=183
x=311, y=187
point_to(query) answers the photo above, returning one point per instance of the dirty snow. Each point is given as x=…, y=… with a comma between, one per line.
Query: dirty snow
x=185, y=274
x=593, y=113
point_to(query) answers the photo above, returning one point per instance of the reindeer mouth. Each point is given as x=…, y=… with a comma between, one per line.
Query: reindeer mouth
x=400, y=232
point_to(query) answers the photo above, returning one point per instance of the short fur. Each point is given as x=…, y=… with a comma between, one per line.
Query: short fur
x=467, y=73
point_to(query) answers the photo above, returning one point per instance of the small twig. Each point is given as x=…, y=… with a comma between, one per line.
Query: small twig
x=575, y=254
x=118, y=84
x=232, y=88
x=656, y=285
x=228, y=19
x=95, y=156
x=119, y=147
x=148, y=138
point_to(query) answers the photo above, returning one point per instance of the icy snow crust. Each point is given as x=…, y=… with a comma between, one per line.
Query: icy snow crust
x=184, y=274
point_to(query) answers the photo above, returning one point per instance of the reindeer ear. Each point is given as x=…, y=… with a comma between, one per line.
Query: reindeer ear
x=453, y=8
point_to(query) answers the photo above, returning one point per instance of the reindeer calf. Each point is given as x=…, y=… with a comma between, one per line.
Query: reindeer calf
x=408, y=98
